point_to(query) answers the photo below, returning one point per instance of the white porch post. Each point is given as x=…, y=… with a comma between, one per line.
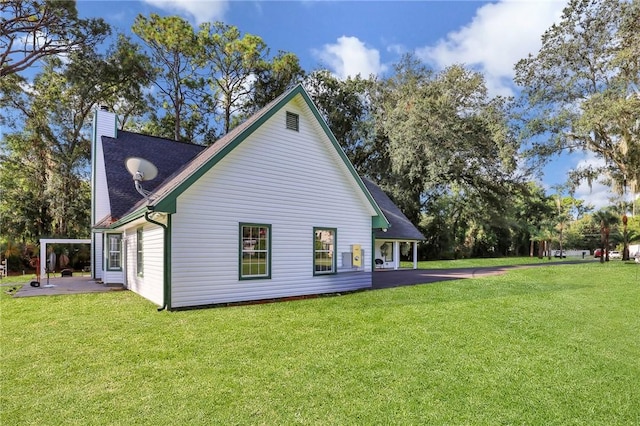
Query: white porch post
x=415, y=255
x=396, y=254
x=43, y=258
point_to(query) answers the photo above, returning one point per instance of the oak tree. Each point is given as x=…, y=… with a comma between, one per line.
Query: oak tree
x=581, y=90
x=31, y=30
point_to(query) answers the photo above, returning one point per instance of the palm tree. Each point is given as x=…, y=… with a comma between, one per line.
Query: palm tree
x=543, y=236
x=624, y=238
x=606, y=218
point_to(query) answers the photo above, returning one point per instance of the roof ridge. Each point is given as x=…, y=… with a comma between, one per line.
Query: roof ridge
x=161, y=138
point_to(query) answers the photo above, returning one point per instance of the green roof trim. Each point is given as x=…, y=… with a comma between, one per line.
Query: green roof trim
x=128, y=218
x=168, y=202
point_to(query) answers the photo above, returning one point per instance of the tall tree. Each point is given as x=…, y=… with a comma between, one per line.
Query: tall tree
x=346, y=107
x=176, y=54
x=580, y=91
x=272, y=78
x=31, y=30
x=531, y=210
x=25, y=212
x=233, y=60
x=45, y=162
x=445, y=133
x=124, y=76
x=606, y=218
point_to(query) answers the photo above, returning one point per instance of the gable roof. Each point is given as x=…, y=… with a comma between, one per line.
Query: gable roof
x=166, y=154
x=165, y=195
x=401, y=228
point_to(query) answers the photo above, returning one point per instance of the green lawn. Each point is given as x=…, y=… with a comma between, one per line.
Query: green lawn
x=551, y=346
x=495, y=261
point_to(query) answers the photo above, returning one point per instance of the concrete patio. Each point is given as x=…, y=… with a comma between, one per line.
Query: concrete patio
x=64, y=285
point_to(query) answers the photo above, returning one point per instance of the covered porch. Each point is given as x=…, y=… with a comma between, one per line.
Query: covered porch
x=401, y=238
x=388, y=252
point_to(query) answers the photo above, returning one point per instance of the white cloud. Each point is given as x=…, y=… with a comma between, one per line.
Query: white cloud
x=199, y=10
x=398, y=49
x=498, y=36
x=349, y=57
x=598, y=194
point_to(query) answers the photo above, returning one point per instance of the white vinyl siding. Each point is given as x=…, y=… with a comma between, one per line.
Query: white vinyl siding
x=302, y=184
x=150, y=286
x=100, y=201
x=97, y=255
x=105, y=125
x=100, y=209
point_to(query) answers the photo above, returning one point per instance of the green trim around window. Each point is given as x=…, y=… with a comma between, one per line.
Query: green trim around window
x=254, y=251
x=324, y=257
x=113, y=252
x=140, y=251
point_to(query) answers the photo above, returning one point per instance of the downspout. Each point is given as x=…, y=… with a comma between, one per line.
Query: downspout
x=166, y=277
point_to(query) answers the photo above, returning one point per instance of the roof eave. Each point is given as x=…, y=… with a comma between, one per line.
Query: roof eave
x=136, y=214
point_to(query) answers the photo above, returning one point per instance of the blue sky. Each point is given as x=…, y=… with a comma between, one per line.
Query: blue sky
x=368, y=37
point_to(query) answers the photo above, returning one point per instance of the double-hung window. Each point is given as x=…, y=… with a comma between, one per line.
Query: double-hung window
x=255, y=251
x=139, y=253
x=324, y=243
x=114, y=252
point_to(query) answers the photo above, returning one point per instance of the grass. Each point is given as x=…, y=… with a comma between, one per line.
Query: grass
x=487, y=262
x=552, y=345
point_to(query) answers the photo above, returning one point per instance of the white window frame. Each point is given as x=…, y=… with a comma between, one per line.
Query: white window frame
x=330, y=251
x=111, y=249
x=246, y=251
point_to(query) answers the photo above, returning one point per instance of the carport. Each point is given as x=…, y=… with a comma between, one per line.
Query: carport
x=43, y=249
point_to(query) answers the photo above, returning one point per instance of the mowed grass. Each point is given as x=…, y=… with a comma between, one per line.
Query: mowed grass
x=494, y=261
x=547, y=345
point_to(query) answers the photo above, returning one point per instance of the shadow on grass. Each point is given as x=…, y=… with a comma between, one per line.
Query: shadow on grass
x=475, y=289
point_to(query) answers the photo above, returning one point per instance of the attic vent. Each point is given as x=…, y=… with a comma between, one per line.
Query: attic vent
x=293, y=121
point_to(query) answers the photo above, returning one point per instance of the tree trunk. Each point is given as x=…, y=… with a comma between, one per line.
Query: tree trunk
x=625, y=235
x=602, y=241
x=540, y=249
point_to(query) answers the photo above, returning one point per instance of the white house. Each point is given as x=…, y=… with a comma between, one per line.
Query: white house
x=274, y=209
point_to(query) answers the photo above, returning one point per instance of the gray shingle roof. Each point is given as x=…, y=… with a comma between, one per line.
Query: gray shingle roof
x=401, y=228
x=164, y=196
x=167, y=155
x=173, y=158
x=179, y=162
